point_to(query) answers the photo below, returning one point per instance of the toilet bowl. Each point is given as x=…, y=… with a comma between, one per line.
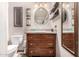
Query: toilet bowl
x=16, y=41
x=12, y=50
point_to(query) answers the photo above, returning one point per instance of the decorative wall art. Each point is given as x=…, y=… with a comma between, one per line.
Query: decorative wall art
x=54, y=11
x=55, y=14
x=56, y=5
x=28, y=17
x=18, y=18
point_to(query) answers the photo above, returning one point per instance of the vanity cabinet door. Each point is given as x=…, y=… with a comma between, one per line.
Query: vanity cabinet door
x=18, y=16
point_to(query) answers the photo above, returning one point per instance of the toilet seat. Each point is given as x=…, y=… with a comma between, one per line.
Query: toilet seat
x=12, y=48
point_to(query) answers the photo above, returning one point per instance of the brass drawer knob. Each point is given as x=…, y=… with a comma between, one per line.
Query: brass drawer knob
x=50, y=51
x=30, y=37
x=31, y=44
x=50, y=44
x=31, y=51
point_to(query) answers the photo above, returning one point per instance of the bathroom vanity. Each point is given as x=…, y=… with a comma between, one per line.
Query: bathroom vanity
x=41, y=44
x=41, y=35
x=40, y=30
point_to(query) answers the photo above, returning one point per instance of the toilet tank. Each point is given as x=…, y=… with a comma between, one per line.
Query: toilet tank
x=16, y=39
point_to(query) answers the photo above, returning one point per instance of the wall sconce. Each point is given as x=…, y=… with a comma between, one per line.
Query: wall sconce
x=64, y=6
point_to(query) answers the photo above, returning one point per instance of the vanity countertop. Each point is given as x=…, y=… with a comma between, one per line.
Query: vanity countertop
x=68, y=31
x=41, y=32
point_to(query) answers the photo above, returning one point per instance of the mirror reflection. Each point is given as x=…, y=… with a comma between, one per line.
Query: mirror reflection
x=69, y=32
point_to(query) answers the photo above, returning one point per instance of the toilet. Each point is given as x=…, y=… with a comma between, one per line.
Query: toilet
x=12, y=50
x=16, y=40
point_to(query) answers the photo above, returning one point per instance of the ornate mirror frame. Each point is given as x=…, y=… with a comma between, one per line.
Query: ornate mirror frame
x=75, y=34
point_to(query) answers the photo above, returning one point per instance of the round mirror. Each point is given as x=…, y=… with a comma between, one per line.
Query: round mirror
x=41, y=16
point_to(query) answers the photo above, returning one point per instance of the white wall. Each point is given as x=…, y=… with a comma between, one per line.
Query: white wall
x=13, y=30
x=3, y=28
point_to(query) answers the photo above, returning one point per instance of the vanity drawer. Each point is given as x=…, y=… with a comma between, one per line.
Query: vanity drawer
x=41, y=38
x=41, y=52
x=48, y=36
x=31, y=36
x=41, y=45
x=42, y=41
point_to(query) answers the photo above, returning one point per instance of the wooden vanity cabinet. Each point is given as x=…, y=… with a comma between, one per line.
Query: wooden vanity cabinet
x=41, y=45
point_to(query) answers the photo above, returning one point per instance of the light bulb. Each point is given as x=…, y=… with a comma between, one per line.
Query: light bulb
x=40, y=5
x=36, y=6
x=45, y=5
x=67, y=5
